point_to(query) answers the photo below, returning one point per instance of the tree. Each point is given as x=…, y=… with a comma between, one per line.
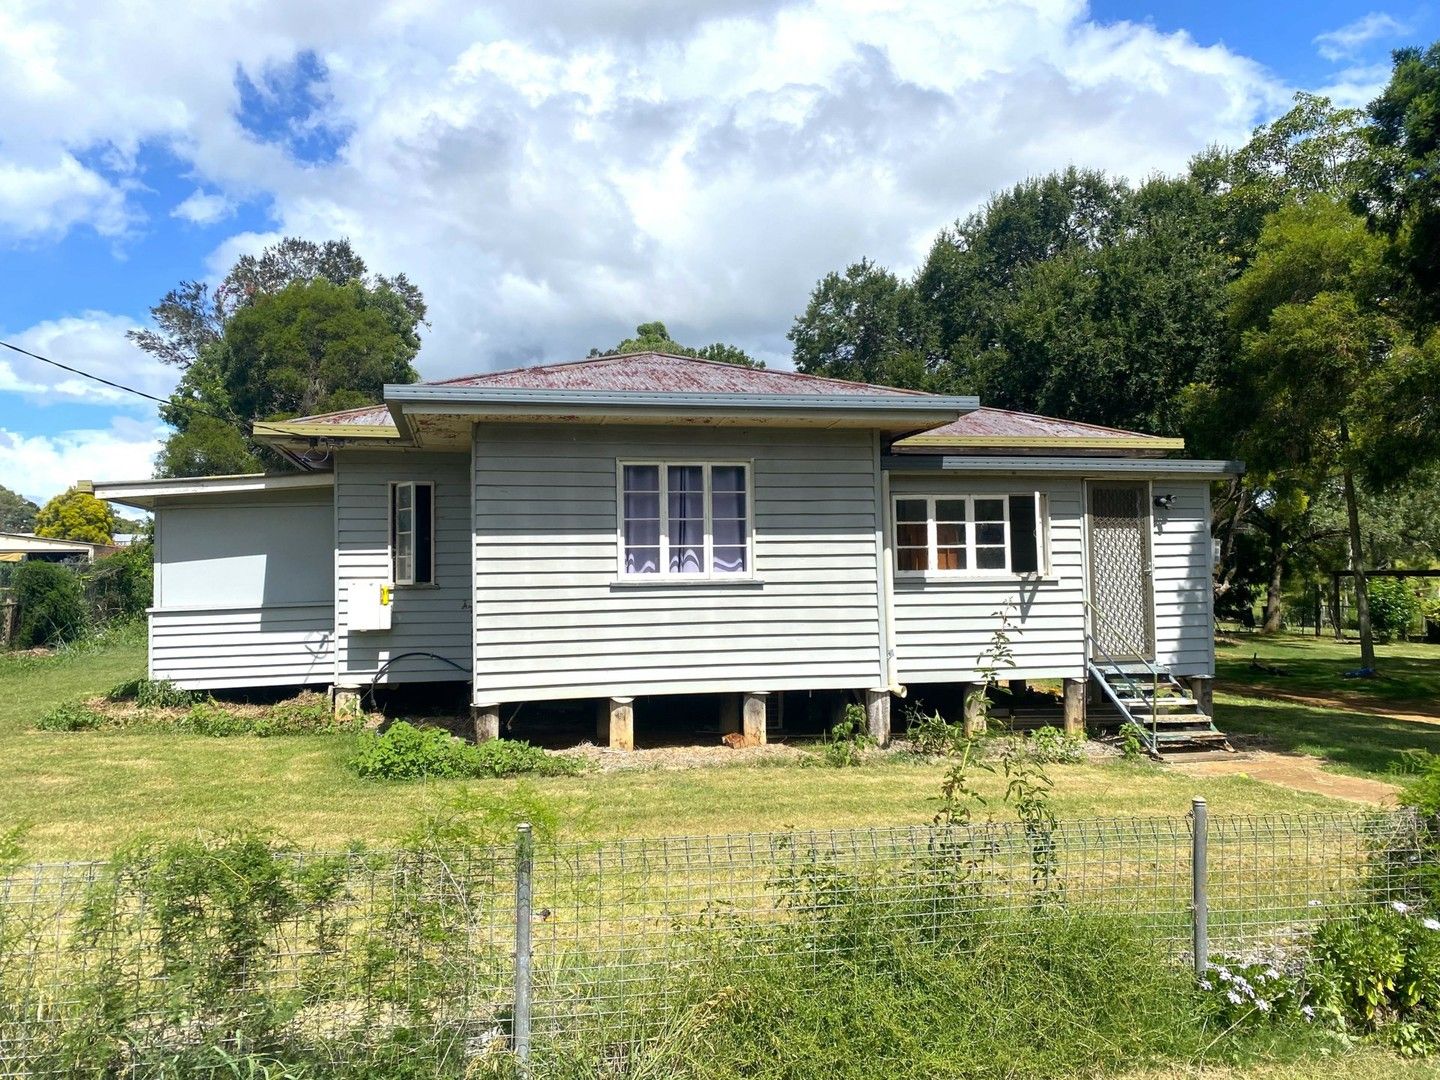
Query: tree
x=864, y=325
x=17, y=513
x=1328, y=375
x=1401, y=192
x=654, y=337
x=191, y=316
x=76, y=515
x=301, y=328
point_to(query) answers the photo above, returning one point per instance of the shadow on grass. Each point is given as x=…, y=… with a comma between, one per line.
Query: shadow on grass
x=1409, y=671
x=1357, y=742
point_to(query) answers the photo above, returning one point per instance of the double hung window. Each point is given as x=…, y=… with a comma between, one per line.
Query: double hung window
x=685, y=519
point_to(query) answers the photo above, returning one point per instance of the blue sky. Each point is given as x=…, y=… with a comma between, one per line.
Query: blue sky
x=552, y=174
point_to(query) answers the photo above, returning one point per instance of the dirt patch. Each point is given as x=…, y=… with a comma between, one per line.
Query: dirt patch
x=1298, y=772
x=1343, y=700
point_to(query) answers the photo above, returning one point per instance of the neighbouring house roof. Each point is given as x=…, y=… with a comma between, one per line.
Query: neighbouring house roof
x=1003, y=429
x=15, y=547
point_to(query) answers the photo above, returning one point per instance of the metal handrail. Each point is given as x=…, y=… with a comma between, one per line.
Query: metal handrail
x=1139, y=655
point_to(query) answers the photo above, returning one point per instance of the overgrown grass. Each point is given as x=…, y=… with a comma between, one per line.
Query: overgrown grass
x=30, y=686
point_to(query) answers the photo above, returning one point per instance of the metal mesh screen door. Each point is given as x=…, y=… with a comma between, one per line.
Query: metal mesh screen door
x=1120, y=571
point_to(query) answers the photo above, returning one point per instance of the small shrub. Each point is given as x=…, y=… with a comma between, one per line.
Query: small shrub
x=931, y=733
x=1243, y=993
x=51, y=604
x=1131, y=746
x=1394, y=607
x=1379, y=973
x=1050, y=746
x=154, y=694
x=72, y=716
x=407, y=752
x=121, y=586
x=847, y=741
x=211, y=718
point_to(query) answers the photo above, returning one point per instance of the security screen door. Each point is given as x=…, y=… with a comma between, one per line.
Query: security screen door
x=1123, y=622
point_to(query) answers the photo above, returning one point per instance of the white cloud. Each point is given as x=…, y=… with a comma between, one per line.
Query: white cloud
x=95, y=342
x=41, y=466
x=47, y=198
x=1345, y=41
x=553, y=173
x=204, y=208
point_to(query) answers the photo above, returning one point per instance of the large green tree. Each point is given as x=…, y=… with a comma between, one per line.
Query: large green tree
x=299, y=329
x=1402, y=173
x=654, y=337
x=865, y=325
x=17, y=513
x=76, y=515
x=1328, y=383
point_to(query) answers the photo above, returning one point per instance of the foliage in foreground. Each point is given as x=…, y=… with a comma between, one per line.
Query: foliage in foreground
x=407, y=752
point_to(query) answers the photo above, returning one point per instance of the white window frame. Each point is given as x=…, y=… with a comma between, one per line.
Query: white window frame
x=392, y=532
x=664, y=573
x=932, y=557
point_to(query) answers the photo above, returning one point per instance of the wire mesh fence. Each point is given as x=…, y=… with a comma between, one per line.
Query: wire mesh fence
x=125, y=967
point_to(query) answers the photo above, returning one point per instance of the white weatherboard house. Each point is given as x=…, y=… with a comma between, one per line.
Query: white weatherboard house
x=633, y=526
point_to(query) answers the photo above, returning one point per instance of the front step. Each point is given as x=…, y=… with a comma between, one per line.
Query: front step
x=1153, y=700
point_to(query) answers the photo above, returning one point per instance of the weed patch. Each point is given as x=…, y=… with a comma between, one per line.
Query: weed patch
x=407, y=752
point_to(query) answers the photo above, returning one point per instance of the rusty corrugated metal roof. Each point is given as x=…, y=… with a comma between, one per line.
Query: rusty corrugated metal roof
x=650, y=371
x=1005, y=423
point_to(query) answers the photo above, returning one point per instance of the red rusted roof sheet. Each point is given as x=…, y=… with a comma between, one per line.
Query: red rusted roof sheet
x=654, y=372
x=1005, y=423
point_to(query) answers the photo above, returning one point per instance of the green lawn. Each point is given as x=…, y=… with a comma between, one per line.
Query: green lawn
x=84, y=793
x=1348, y=721
x=1409, y=672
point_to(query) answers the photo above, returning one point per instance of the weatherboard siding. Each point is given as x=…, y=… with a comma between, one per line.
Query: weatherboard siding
x=424, y=618
x=219, y=648
x=1181, y=554
x=554, y=619
x=945, y=624
x=243, y=592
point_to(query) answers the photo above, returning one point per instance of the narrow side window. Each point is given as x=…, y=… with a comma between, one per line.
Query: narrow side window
x=1024, y=534
x=412, y=533
x=912, y=535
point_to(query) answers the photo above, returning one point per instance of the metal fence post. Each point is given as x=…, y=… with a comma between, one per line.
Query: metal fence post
x=1199, y=895
x=524, y=875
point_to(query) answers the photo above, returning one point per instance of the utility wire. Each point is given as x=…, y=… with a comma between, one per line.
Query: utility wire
x=128, y=389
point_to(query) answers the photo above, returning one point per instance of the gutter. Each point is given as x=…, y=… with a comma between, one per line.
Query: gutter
x=1192, y=468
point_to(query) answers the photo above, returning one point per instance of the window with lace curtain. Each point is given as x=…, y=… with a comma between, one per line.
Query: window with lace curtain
x=685, y=519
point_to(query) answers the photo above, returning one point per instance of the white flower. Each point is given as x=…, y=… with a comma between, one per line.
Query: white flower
x=1233, y=997
x=1307, y=1012
x=1313, y=903
x=1224, y=975
x=1263, y=1005
x=1271, y=973
x=1400, y=906
x=1206, y=984
x=1431, y=924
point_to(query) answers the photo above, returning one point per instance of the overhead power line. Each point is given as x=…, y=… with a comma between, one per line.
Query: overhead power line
x=127, y=389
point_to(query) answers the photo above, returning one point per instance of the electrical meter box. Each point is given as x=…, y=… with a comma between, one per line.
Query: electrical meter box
x=368, y=605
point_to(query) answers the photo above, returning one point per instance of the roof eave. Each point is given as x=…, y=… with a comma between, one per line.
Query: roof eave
x=885, y=411
x=1188, y=468
x=145, y=494
x=1120, y=443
